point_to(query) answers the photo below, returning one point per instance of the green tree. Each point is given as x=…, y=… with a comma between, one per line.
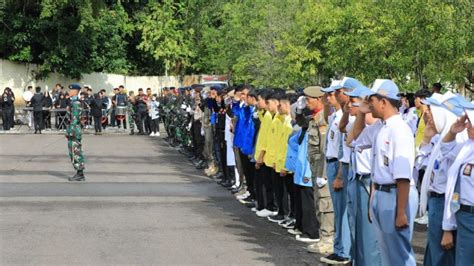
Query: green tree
x=163, y=35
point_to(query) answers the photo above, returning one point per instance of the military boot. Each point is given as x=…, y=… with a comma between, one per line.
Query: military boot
x=79, y=176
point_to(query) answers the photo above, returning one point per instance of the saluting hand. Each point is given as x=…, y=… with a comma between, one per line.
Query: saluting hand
x=346, y=108
x=430, y=128
x=459, y=125
x=364, y=107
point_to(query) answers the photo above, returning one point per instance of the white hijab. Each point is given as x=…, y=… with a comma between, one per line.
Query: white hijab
x=443, y=119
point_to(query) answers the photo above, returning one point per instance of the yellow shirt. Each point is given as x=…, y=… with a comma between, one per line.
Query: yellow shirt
x=270, y=154
x=420, y=131
x=282, y=142
x=265, y=126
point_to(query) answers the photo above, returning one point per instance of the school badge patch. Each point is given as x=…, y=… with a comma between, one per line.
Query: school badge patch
x=467, y=169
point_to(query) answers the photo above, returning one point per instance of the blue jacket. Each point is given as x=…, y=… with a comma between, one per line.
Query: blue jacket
x=297, y=160
x=238, y=130
x=292, y=153
x=248, y=131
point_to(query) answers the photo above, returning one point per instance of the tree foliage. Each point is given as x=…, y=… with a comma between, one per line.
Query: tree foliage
x=285, y=43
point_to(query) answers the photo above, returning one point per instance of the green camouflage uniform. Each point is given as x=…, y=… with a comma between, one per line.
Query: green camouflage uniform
x=74, y=135
x=316, y=146
x=131, y=116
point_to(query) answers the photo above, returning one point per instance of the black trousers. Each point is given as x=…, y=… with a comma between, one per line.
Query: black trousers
x=198, y=139
x=155, y=125
x=7, y=118
x=264, y=189
x=281, y=193
x=249, y=173
x=38, y=120
x=46, y=119
x=97, y=123
x=112, y=118
x=141, y=117
x=290, y=189
x=305, y=211
x=148, y=128
x=222, y=146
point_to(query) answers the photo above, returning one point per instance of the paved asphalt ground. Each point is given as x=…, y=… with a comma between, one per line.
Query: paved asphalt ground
x=142, y=203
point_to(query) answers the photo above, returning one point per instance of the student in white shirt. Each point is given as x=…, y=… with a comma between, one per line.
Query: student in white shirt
x=409, y=114
x=365, y=246
x=459, y=199
x=338, y=158
x=336, y=187
x=394, y=199
x=438, y=123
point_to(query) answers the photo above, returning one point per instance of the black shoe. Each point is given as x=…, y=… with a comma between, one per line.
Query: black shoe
x=79, y=176
x=36, y=132
x=228, y=184
x=251, y=204
x=202, y=165
x=219, y=175
x=198, y=162
x=236, y=190
x=276, y=218
x=335, y=260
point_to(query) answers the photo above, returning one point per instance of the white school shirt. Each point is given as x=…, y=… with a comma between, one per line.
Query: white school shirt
x=450, y=151
x=346, y=150
x=439, y=175
x=411, y=118
x=467, y=183
x=393, y=150
x=333, y=135
x=362, y=156
x=463, y=154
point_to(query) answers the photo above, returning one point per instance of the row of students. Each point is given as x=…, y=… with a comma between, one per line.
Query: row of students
x=336, y=168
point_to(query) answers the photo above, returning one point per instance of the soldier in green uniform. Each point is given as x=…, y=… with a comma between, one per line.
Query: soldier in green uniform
x=131, y=112
x=74, y=134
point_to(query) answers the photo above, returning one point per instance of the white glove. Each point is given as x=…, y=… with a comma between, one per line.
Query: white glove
x=183, y=106
x=301, y=103
x=202, y=131
x=188, y=109
x=189, y=126
x=321, y=182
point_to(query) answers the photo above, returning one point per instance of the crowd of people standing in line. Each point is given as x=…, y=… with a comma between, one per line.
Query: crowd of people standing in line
x=343, y=168
x=98, y=109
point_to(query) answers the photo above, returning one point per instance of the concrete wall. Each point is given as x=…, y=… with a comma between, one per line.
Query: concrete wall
x=18, y=77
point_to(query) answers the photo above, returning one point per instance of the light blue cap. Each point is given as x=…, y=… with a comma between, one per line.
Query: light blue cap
x=457, y=105
x=350, y=83
x=434, y=99
x=386, y=88
x=360, y=91
x=335, y=85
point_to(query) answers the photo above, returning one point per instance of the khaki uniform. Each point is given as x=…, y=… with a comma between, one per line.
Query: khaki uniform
x=324, y=211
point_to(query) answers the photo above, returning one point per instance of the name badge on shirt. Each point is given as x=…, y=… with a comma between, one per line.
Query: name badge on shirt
x=385, y=161
x=467, y=169
x=332, y=134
